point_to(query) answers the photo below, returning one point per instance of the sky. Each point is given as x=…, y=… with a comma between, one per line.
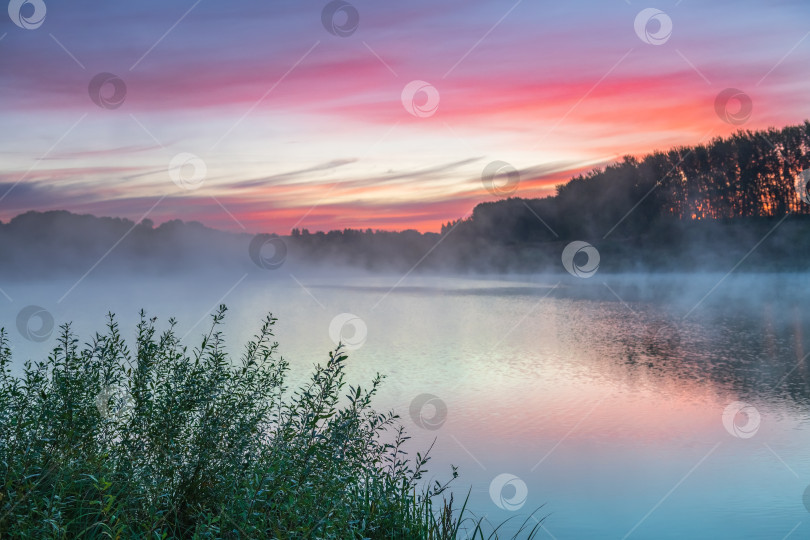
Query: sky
x=262, y=116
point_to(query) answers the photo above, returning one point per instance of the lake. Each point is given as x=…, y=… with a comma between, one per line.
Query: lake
x=615, y=407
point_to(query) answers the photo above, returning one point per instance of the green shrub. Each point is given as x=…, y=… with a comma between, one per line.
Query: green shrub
x=163, y=442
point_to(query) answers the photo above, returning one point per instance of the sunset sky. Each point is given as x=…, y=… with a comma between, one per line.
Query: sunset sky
x=300, y=126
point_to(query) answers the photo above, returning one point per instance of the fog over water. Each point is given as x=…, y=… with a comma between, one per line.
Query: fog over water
x=604, y=397
x=571, y=236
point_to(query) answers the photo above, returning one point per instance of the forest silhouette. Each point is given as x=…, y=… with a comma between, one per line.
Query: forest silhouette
x=701, y=207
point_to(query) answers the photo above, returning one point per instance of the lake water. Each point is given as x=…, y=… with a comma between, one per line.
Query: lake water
x=601, y=402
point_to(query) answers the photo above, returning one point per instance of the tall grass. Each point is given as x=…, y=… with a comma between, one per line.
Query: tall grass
x=159, y=441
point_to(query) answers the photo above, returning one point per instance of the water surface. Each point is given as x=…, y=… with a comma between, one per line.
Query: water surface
x=606, y=401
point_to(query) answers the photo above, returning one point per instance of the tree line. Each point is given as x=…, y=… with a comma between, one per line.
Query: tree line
x=749, y=174
x=685, y=208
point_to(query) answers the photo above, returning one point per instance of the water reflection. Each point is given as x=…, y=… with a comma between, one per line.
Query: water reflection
x=605, y=399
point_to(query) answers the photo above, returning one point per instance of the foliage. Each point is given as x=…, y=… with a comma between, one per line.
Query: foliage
x=643, y=212
x=163, y=442
x=749, y=174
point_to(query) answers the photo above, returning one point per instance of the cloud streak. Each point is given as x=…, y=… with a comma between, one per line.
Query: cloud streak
x=541, y=89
